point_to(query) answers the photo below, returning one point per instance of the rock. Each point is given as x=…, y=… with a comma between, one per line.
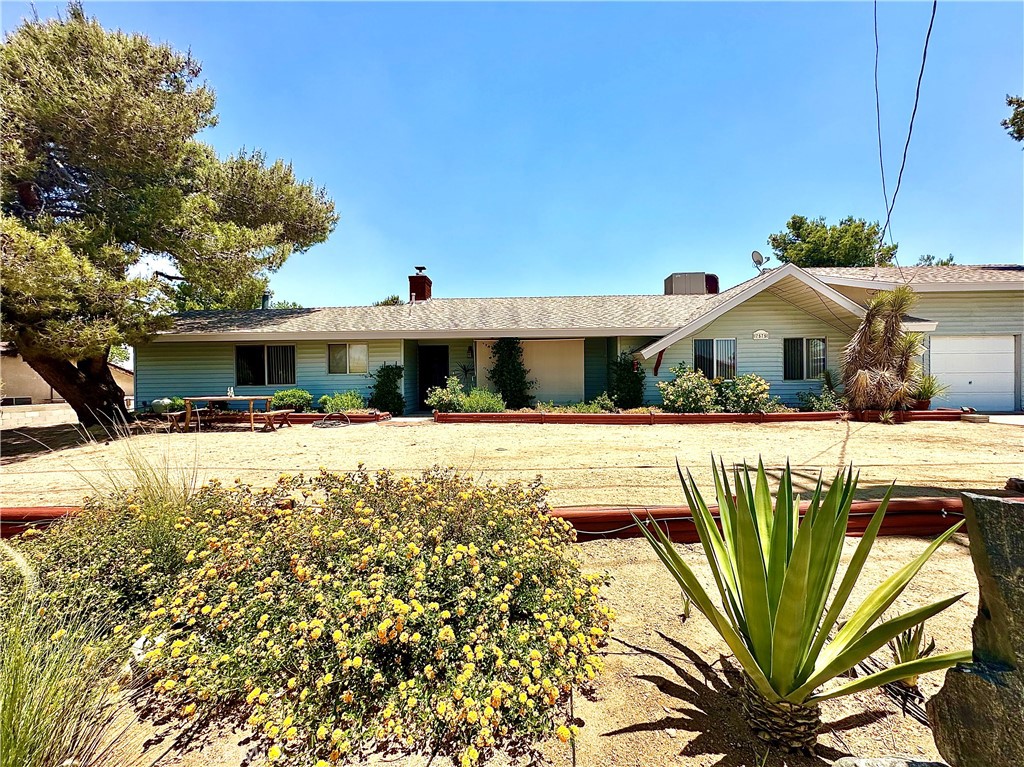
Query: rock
x=978, y=715
x=885, y=761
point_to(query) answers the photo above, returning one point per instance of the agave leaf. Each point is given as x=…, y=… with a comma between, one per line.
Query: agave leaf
x=792, y=621
x=782, y=541
x=692, y=587
x=880, y=599
x=853, y=571
x=753, y=581
x=895, y=673
x=726, y=506
x=870, y=641
x=762, y=502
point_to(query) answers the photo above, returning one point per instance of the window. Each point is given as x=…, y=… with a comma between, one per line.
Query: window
x=803, y=358
x=264, y=365
x=347, y=358
x=715, y=357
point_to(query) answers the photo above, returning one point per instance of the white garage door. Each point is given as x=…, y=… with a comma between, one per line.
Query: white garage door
x=980, y=371
x=556, y=366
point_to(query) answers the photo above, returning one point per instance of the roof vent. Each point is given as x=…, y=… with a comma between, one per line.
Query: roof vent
x=691, y=284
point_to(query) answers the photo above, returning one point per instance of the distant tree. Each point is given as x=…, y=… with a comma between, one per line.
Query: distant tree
x=285, y=304
x=119, y=355
x=101, y=172
x=930, y=260
x=812, y=242
x=1014, y=124
x=509, y=375
x=393, y=300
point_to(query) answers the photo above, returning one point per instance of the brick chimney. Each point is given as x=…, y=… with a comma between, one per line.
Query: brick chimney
x=419, y=285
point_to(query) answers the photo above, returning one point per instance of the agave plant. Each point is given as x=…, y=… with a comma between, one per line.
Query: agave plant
x=774, y=572
x=908, y=646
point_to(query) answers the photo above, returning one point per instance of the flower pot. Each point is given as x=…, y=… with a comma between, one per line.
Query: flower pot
x=921, y=404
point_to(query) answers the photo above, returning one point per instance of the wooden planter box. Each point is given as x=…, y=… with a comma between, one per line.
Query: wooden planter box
x=297, y=418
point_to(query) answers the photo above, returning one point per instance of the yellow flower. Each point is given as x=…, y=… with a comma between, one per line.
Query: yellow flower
x=563, y=733
x=274, y=754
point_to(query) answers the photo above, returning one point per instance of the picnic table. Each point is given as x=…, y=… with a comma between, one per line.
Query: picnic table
x=252, y=400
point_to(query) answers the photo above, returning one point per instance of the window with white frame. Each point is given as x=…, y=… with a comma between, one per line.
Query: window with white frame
x=347, y=358
x=715, y=357
x=803, y=358
x=259, y=365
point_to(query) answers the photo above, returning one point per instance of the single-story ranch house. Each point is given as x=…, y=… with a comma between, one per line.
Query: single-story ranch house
x=788, y=324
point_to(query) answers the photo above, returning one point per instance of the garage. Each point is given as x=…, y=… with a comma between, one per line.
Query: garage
x=979, y=370
x=556, y=365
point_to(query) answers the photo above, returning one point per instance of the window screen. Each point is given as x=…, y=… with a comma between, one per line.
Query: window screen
x=725, y=358
x=358, y=358
x=337, y=358
x=793, y=359
x=249, y=369
x=280, y=365
x=815, y=357
x=704, y=356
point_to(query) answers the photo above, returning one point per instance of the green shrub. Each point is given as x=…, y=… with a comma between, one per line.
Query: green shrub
x=339, y=402
x=745, y=394
x=450, y=398
x=483, y=401
x=509, y=375
x=428, y=613
x=626, y=382
x=828, y=400
x=386, y=392
x=298, y=400
x=605, y=403
x=689, y=392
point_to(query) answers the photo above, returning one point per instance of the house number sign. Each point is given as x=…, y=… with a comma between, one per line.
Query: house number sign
x=760, y=335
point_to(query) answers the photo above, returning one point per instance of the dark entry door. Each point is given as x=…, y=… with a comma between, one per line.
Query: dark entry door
x=433, y=364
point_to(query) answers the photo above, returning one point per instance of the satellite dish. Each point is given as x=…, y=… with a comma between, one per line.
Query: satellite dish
x=759, y=260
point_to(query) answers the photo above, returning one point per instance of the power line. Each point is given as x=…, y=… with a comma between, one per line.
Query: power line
x=878, y=120
x=910, y=129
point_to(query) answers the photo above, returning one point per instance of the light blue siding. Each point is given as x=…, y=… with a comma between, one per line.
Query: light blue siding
x=197, y=369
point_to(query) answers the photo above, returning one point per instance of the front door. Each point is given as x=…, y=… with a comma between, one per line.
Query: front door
x=433, y=369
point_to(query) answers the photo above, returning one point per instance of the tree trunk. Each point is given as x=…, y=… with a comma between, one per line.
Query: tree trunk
x=88, y=386
x=789, y=726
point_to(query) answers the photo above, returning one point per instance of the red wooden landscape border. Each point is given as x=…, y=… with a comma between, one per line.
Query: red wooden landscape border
x=652, y=419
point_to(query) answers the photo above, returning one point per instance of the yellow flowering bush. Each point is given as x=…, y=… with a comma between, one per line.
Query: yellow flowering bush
x=343, y=613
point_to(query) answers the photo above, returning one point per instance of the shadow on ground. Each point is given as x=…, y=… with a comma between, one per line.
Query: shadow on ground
x=21, y=444
x=709, y=705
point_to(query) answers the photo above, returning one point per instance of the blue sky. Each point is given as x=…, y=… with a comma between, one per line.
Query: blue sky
x=554, y=149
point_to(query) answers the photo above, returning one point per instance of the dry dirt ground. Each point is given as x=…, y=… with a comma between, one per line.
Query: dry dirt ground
x=667, y=694
x=581, y=464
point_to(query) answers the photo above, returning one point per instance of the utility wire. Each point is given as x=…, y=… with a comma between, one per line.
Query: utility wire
x=878, y=123
x=910, y=130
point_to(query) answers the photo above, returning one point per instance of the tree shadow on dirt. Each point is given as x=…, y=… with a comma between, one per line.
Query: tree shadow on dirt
x=710, y=706
x=21, y=444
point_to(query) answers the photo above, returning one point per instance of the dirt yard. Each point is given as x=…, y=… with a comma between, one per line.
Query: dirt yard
x=667, y=695
x=581, y=464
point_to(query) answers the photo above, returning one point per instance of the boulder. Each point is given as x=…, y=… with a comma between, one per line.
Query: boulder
x=978, y=715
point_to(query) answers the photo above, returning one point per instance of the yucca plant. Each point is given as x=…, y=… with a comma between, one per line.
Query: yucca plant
x=909, y=646
x=775, y=572
x=880, y=368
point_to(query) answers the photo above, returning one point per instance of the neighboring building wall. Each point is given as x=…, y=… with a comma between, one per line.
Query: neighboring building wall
x=19, y=380
x=125, y=380
x=197, y=369
x=764, y=357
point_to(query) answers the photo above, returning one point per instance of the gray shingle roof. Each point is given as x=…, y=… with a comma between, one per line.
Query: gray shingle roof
x=956, y=273
x=637, y=313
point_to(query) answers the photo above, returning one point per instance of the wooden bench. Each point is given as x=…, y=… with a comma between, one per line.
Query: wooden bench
x=176, y=418
x=272, y=419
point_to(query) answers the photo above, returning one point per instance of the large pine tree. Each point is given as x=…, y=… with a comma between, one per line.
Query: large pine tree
x=102, y=172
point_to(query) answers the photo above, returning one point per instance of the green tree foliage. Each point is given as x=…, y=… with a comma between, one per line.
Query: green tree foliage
x=930, y=260
x=393, y=300
x=509, y=375
x=811, y=242
x=102, y=173
x=1014, y=124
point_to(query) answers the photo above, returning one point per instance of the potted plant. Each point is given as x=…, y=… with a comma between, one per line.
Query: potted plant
x=928, y=389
